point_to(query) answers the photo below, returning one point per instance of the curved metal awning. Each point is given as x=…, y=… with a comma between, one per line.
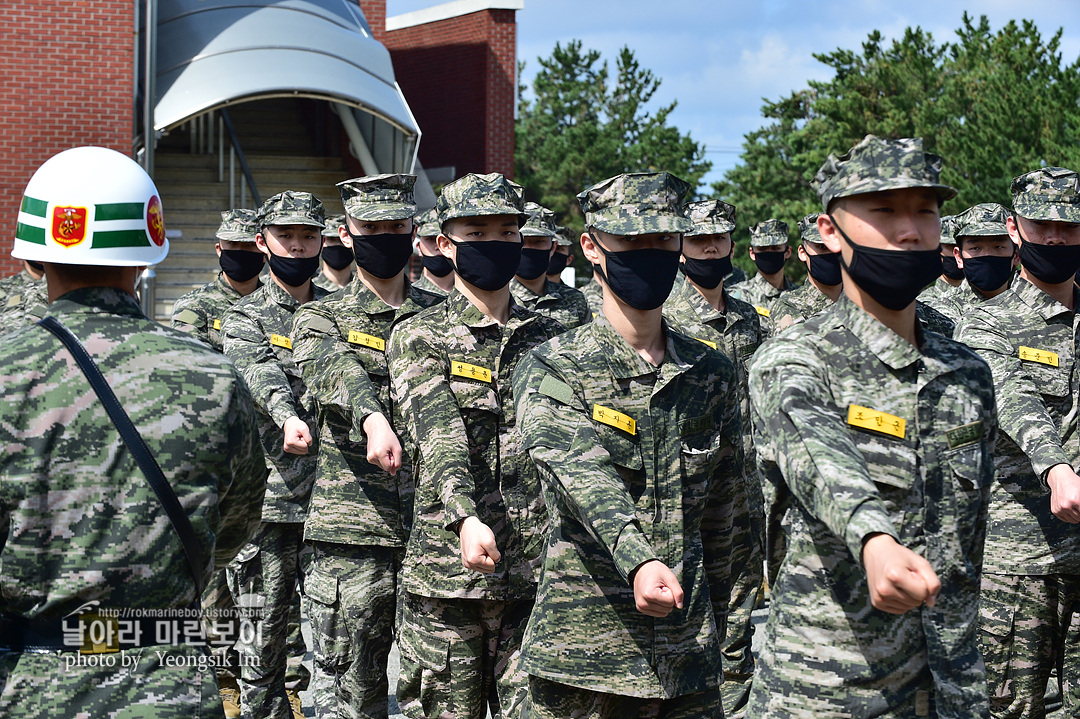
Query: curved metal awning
x=211, y=53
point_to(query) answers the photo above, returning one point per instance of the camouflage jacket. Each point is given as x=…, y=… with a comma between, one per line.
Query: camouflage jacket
x=563, y=304
x=798, y=306
x=934, y=292
x=423, y=283
x=757, y=292
x=450, y=374
x=933, y=320
x=956, y=304
x=200, y=311
x=339, y=344
x=84, y=523
x=638, y=462
x=594, y=295
x=1030, y=342
x=257, y=332
x=24, y=299
x=321, y=280
x=869, y=434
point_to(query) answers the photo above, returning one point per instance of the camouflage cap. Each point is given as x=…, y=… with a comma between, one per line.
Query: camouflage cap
x=376, y=198
x=541, y=221
x=291, y=208
x=428, y=222
x=563, y=236
x=1049, y=193
x=638, y=203
x=808, y=230
x=479, y=195
x=877, y=164
x=948, y=229
x=769, y=232
x=710, y=217
x=986, y=219
x=330, y=229
x=237, y=226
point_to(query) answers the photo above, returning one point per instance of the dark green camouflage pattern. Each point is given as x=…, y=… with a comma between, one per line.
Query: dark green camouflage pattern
x=379, y=197
x=618, y=499
x=468, y=461
x=759, y=293
x=201, y=311
x=1049, y=193
x=541, y=221
x=291, y=208
x=24, y=300
x=987, y=219
x=797, y=306
x=710, y=217
x=425, y=284
x=768, y=233
x=563, y=304
x=948, y=230
x=933, y=320
x=237, y=226
x=479, y=195
x=826, y=651
x=594, y=295
x=564, y=237
x=877, y=164
x=552, y=700
x=333, y=226
x=808, y=230
x=427, y=223
x=637, y=203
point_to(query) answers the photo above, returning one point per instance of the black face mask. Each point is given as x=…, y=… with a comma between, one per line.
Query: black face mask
x=557, y=263
x=488, y=265
x=382, y=255
x=337, y=256
x=826, y=268
x=893, y=278
x=534, y=262
x=294, y=271
x=40, y=267
x=988, y=272
x=707, y=273
x=241, y=265
x=437, y=265
x=641, y=278
x=770, y=262
x=1052, y=264
x=950, y=269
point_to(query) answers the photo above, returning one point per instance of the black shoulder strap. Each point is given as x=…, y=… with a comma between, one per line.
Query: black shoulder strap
x=135, y=444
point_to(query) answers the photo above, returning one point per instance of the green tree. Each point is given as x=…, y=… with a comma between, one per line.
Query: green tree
x=994, y=105
x=581, y=126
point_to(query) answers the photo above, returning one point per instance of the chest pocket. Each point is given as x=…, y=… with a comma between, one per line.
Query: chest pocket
x=1050, y=381
x=626, y=456
x=479, y=405
x=891, y=462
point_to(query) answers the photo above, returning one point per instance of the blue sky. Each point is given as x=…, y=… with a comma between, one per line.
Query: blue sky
x=720, y=58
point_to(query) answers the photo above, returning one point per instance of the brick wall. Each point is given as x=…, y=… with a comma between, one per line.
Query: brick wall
x=70, y=77
x=458, y=76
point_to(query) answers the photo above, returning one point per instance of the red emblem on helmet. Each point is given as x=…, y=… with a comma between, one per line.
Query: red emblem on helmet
x=155, y=221
x=69, y=225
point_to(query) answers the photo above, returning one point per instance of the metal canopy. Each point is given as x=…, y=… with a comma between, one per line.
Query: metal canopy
x=211, y=53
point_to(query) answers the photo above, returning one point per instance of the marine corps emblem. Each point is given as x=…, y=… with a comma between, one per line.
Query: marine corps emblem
x=155, y=221
x=69, y=225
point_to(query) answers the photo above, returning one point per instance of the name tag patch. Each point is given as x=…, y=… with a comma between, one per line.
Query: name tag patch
x=279, y=341
x=470, y=371
x=365, y=340
x=763, y=311
x=866, y=418
x=613, y=418
x=695, y=425
x=217, y=324
x=1031, y=354
x=964, y=435
x=706, y=342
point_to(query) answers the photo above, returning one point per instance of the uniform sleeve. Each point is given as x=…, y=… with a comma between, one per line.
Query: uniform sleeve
x=249, y=348
x=580, y=307
x=1022, y=414
x=572, y=463
x=332, y=371
x=192, y=319
x=240, y=503
x=419, y=386
x=799, y=428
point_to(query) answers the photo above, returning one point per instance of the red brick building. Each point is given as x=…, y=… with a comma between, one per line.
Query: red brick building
x=75, y=80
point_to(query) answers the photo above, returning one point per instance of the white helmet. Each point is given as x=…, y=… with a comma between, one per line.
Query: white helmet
x=91, y=206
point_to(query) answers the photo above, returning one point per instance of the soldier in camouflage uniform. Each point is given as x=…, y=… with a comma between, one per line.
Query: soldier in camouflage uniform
x=199, y=312
x=361, y=506
x=635, y=429
x=985, y=253
x=564, y=255
x=951, y=274
x=336, y=270
x=883, y=435
x=257, y=333
x=438, y=274
x=86, y=530
x=823, y=280
x=531, y=288
x=1030, y=606
x=24, y=297
x=479, y=518
x=703, y=310
x=769, y=250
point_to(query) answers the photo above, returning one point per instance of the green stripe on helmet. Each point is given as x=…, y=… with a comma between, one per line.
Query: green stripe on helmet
x=119, y=211
x=120, y=238
x=29, y=233
x=33, y=206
